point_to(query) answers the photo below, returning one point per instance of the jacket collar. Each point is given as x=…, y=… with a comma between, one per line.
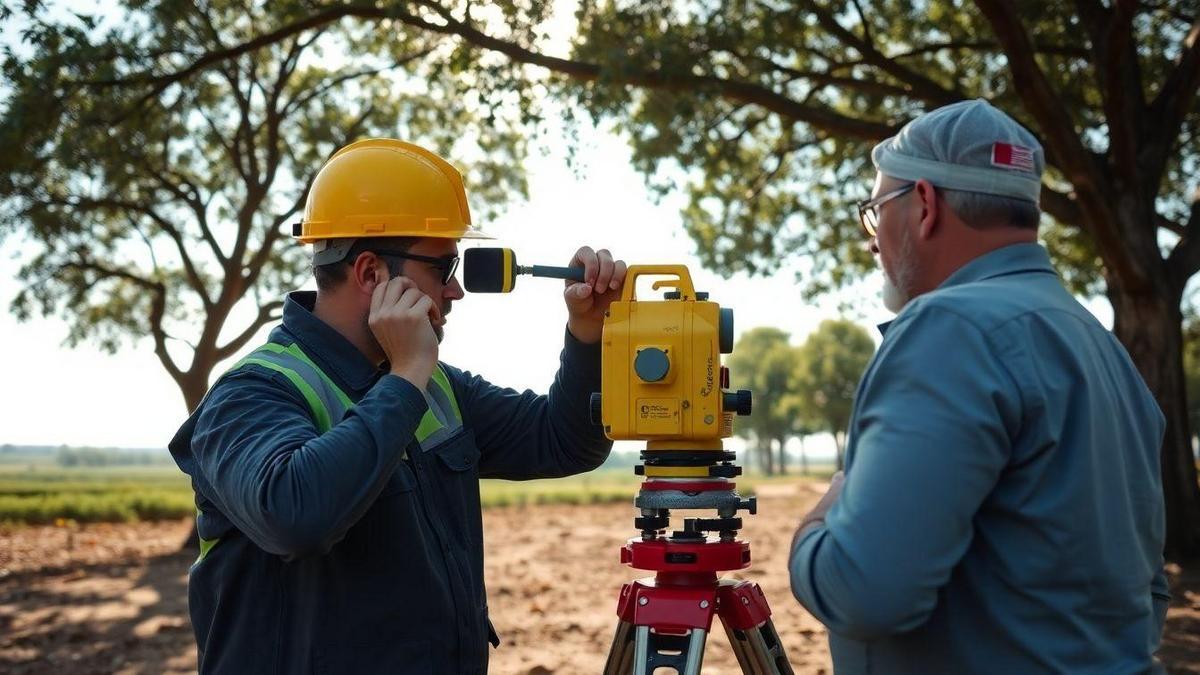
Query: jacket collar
x=336, y=355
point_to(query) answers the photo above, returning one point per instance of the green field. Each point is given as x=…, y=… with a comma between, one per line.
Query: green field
x=37, y=491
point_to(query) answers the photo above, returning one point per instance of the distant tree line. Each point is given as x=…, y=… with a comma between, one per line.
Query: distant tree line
x=93, y=457
x=798, y=390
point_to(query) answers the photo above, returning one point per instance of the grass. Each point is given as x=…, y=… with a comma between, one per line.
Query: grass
x=46, y=494
x=39, y=494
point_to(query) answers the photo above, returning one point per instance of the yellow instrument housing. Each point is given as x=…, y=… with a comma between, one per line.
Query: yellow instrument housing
x=683, y=407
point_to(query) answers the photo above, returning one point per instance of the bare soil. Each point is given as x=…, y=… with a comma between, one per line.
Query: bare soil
x=113, y=598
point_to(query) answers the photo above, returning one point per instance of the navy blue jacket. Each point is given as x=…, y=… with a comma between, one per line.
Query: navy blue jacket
x=355, y=551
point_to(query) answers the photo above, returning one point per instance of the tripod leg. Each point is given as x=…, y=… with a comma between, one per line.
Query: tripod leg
x=758, y=649
x=747, y=619
x=695, y=654
x=641, y=651
x=620, y=655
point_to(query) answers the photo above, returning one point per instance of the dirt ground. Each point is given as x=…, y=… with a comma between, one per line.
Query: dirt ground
x=112, y=599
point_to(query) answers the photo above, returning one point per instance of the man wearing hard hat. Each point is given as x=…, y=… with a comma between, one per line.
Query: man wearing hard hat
x=337, y=467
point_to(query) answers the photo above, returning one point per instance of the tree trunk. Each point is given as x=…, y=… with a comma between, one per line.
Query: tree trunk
x=194, y=385
x=837, y=442
x=1149, y=324
x=765, y=457
x=803, y=457
x=782, y=456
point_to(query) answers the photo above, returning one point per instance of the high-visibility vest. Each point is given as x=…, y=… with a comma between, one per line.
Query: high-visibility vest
x=329, y=404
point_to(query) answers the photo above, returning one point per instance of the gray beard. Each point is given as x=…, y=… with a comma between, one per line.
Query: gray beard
x=897, y=283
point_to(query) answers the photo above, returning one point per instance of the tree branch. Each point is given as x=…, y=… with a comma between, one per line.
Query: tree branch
x=1077, y=164
x=1061, y=207
x=922, y=87
x=1184, y=260
x=159, y=83
x=825, y=120
x=1171, y=105
x=862, y=19
x=266, y=314
x=828, y=79
x=955, y=45
x=1120, y=85
x=301, y=101
x=86, y=204
x=158, y=301
x=196, y=204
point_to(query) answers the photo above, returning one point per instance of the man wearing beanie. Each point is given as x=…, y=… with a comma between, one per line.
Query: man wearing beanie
x=1001, y=509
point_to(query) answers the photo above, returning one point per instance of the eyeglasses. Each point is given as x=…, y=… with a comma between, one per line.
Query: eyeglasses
x=868, y=211
x=447, y=264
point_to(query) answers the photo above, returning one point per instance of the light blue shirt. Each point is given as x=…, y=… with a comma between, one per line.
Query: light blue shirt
x=1002, y=510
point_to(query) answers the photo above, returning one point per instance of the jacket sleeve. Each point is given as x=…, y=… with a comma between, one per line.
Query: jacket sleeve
x=929, y=450
x=292, y=491
x=522, y=435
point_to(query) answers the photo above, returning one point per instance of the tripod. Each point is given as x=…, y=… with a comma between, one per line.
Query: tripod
x=664, y=621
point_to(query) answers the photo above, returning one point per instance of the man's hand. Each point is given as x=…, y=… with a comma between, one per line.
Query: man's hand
x=400, y=319
x=588, y=300
x=816, y=516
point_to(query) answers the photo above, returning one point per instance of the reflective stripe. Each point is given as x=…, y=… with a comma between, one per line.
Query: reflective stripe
x=442, y=419
x=206, y=545
x=447, y=391
x=326, y=400
x=329, y=404
x=295, y=350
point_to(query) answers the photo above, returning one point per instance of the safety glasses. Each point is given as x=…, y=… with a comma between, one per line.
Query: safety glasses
x=868, y=211
x=447, y=264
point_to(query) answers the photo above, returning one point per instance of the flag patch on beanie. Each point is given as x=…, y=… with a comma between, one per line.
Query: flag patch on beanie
x=1012, y=156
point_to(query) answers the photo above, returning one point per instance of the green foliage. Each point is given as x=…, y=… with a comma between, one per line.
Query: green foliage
x=94, y=494
x=764, y=362
x=149, y=208
x=832, y=362
x=124, y=494
x=771, y=109
x=88, y=507
x=93, y=457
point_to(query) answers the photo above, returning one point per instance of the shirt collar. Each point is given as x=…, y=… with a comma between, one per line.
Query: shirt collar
x=336, y=355
x=1011, y=259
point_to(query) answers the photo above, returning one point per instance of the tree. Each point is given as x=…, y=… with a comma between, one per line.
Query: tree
x=770, y=109
x=1191, y=373
x=833, y=360
x=764, y=362
x=157, y=208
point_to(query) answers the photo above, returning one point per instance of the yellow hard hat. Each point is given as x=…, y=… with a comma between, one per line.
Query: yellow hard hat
x=382, y=187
